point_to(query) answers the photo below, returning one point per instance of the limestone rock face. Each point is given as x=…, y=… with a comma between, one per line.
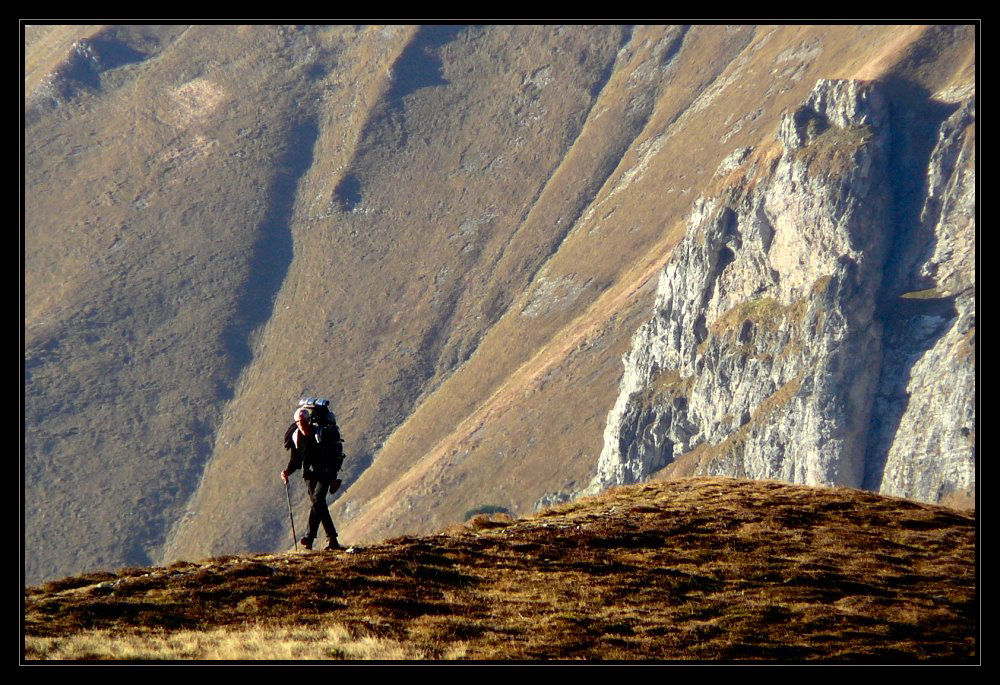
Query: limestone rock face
x=809, y=328
x=923, y=441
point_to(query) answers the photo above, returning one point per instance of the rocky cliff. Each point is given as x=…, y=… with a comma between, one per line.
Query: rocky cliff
x=454, y=232
x=817, y=323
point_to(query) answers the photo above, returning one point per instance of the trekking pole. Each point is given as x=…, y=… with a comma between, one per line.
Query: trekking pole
x=295, y=538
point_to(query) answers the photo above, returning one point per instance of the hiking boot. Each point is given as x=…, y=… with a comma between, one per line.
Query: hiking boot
x=306, y=542
x=333, y=544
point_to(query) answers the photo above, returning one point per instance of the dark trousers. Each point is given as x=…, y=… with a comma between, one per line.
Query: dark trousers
x=318, y=488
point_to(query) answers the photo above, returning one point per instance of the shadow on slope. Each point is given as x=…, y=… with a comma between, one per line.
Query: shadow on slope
x=418, y=66
x=272, y=252
x=87, y=68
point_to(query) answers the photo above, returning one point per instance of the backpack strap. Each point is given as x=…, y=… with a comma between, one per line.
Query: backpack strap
x=288, y=436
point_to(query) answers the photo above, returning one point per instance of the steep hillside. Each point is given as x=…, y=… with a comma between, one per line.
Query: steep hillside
x=531, y=437
x=452, y=232
x=817, y=323
x=706, y=569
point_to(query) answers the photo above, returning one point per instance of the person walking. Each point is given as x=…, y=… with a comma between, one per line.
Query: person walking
x=317, y=448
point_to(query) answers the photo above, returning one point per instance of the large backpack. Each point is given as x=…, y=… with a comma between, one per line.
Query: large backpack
x=322, y=419
x=319, y=409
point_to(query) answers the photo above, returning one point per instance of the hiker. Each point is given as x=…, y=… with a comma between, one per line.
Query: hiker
x=316, y=447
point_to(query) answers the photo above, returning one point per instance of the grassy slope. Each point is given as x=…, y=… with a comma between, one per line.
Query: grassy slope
x=151, y=266
x=408, y=271
x=128, y=292
x=709, y=569
x=496, y=435
x=149, y=263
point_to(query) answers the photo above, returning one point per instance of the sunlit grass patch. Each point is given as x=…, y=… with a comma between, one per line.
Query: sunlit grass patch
x=261, y=642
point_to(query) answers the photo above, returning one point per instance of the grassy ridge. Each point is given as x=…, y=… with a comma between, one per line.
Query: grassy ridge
x=472, y=217
x=705, y=569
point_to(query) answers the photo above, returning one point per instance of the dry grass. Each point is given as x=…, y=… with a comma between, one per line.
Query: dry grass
x=156, y=188
x=257, y=643
x=696, y=569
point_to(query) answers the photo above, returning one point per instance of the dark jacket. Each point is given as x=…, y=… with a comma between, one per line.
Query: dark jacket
x=319, y=455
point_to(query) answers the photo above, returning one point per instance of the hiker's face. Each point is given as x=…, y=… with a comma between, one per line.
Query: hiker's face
x=303, y=420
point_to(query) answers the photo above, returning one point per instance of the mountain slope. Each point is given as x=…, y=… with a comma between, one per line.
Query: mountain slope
x=817, y=323
x=555, y=386
x=707, y=569
x=453, y=232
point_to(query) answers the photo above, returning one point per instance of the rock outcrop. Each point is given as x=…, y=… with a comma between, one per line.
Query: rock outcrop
x=809, y=327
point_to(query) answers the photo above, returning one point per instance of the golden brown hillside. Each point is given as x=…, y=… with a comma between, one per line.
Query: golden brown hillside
x=453, y=232
x=695, y=569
